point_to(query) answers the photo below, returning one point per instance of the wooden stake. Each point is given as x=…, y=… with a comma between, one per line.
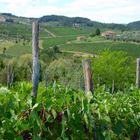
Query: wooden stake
x=35, y=67
x=138, y=73
x=8, y=76
x=88, y=76
x=12, y=76
x=113, y=86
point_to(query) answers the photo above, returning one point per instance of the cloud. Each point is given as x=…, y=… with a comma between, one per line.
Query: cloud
x=122, y=11
x=52, y=1
x=108, y=10
x=16, y=2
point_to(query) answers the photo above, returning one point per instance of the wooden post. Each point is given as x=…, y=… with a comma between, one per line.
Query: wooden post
x=113, y=86
x=35, y=67
x=88, y=76
x=138, y=73
x=12, y=76
x=8, y=76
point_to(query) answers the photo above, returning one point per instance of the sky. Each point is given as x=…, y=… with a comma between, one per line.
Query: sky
x=107, y=11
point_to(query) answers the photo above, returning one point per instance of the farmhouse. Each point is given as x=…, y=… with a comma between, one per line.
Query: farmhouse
x=76, y=25
x=109, y=34
x=2, y=19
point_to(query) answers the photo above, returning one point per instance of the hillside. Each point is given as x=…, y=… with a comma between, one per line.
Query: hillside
x=69, y=21
x=134, y=25
x=13, y=18
x=77, y=22
x=57, y=20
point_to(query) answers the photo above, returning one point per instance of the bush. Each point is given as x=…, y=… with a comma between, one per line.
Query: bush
x=92, y=34
x=97, y=32
x=56, y=49
x=65, y=71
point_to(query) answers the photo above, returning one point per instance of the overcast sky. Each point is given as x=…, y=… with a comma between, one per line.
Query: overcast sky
x=117, y=11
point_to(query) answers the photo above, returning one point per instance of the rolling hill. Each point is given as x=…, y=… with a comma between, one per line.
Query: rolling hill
x=57, y=20
x=134, y=25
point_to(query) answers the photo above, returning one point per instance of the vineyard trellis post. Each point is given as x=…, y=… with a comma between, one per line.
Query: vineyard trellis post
x=12, y=76
x=113, y=86
x=35, y=51
x=8, y=75
x=88, y=76
x=138, y=73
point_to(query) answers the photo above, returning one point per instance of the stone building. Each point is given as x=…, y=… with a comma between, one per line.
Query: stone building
x=2, y=19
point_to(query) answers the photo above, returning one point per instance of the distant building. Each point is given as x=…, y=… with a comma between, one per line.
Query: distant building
x=109, y=34
x=76, y=25
x=2, y=19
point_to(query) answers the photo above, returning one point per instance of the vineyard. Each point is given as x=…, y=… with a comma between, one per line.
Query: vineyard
x=52, y=94
x=61, y=113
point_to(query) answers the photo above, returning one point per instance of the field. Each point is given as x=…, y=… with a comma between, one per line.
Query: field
x=63, y=37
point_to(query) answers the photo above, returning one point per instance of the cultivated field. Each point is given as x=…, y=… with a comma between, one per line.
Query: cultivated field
x=63, y=37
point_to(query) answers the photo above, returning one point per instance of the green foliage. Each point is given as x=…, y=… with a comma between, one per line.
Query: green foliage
x=56, y=49
x=65, y=71
x=117, y=66
x=92, y=34
x=62, y=113
x=4, y=50
x=48, y=55
x=97, y=32
x=22, y=68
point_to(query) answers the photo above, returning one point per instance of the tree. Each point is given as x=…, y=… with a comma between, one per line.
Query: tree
x=117, y=66
x=56, y=49
x=66, y=71
x=4, y=50
x=97, y=32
